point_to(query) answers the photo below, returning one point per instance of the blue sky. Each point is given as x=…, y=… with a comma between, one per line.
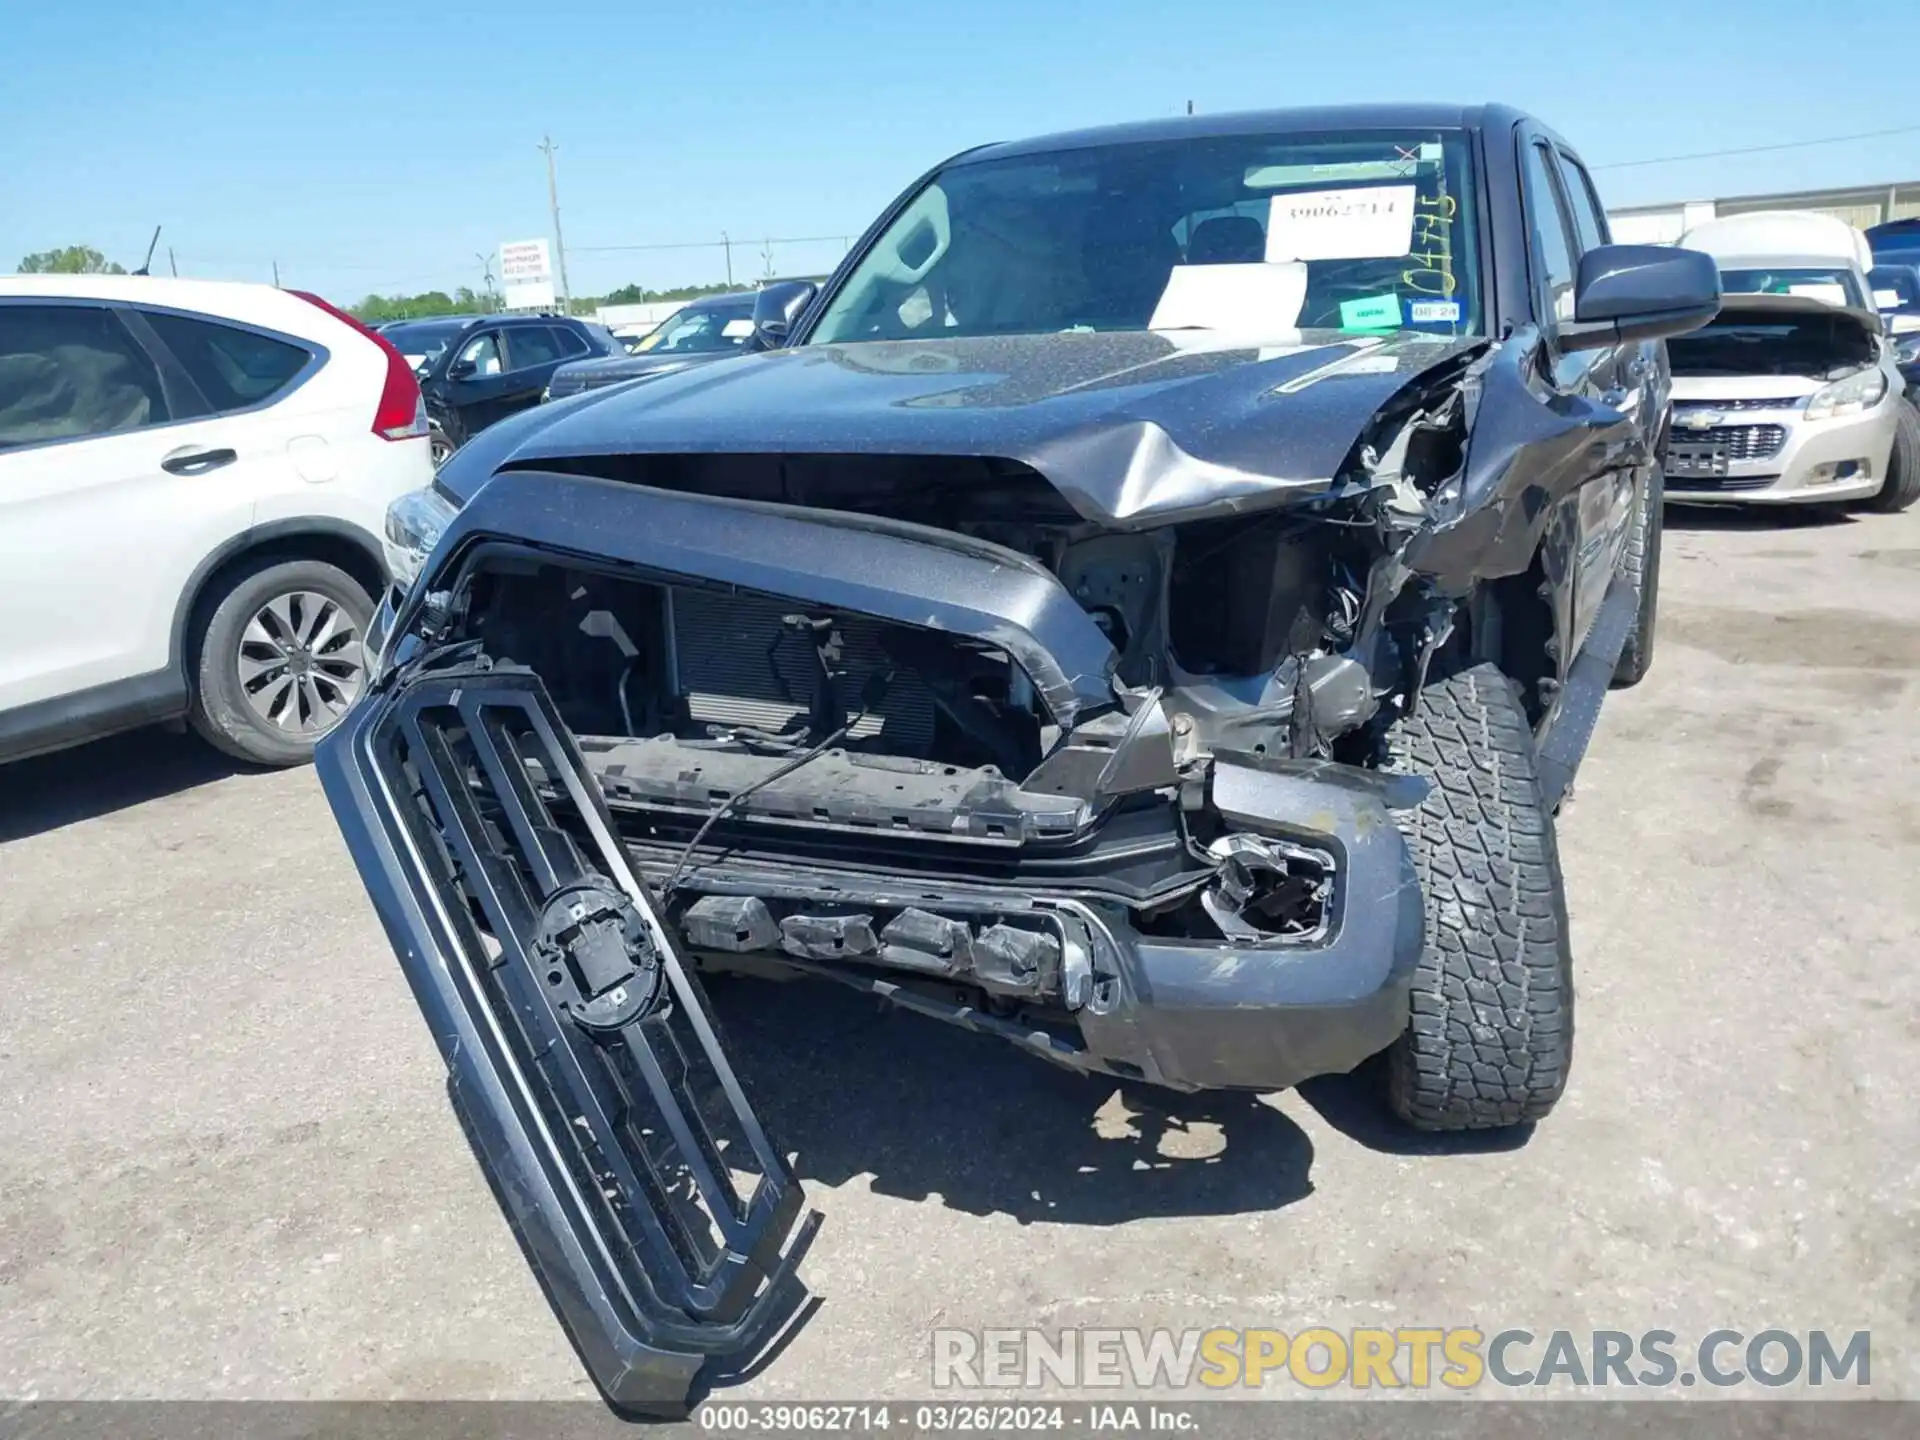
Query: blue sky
x=374, y=146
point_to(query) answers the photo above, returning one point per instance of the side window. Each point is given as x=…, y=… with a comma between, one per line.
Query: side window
x=482, y=352
x=1553, y=251
x=1588, y=221
x=234, y=368
x=569, y=341
x=68, y=371
x=529, y=345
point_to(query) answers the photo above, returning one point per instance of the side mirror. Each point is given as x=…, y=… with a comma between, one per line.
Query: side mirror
x=462, y=370
x=777, y=309
x=1640, y=292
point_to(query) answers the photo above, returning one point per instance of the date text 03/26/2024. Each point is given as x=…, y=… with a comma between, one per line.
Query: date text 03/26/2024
x=981, y=1417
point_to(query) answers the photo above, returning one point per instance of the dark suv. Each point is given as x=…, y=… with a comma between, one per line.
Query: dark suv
x=704, y=330
x=477, y=369
x=1146, y=607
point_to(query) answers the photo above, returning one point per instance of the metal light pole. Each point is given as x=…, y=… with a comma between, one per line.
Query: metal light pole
x=727, y=241
x=559, y=241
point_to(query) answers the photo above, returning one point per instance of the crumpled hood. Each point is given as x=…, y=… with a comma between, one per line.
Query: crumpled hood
x=1133, y=428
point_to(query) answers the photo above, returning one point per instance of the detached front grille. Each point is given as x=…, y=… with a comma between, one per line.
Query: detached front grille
x=669, y=1184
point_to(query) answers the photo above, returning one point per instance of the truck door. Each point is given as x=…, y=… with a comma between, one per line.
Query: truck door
x=1583, y=545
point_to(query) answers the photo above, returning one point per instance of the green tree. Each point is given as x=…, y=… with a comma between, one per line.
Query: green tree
x=378, y=309
x=639, y=295
x=74, y=260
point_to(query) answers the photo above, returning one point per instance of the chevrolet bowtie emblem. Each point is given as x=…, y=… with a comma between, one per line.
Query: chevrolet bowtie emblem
x=1699, y=419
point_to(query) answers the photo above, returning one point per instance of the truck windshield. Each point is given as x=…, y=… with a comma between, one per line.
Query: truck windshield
x=1253, y=236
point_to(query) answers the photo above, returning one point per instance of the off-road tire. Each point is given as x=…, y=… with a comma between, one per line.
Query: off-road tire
x=219, y=710
x=1903, y=465
x=1641, y=566
x=1490, y=1038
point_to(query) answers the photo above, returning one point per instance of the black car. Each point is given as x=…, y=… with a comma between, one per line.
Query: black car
x=1147, y=607
x=476, y=370
x=1896, y=293
x=703, y=330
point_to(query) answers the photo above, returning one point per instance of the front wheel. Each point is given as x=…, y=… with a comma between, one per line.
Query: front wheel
x=1490, y=1038
x=1902, y=487
x=282, y=655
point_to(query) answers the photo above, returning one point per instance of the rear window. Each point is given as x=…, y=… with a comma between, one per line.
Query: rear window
x=234, y=368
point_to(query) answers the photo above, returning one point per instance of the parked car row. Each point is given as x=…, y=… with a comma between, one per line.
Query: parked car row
x=477, y=370
x=701, y=331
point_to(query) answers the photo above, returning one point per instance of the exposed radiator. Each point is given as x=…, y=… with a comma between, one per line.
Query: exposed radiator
x=739, y=664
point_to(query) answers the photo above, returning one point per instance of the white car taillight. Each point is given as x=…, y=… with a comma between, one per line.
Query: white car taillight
x=401, y=413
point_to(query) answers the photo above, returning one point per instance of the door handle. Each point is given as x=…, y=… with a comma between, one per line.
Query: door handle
x=197, y=462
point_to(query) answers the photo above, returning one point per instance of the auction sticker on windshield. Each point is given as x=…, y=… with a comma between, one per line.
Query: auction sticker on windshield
x=1373, y=222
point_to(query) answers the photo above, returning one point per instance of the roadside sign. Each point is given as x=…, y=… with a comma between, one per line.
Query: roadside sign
x=526, y=275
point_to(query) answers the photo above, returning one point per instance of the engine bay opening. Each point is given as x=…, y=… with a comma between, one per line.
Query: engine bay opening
x=1750, y=341
x=741, y=673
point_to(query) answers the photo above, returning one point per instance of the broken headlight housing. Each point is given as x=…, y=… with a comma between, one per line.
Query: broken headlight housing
x=414, y=525
x=1849, y=396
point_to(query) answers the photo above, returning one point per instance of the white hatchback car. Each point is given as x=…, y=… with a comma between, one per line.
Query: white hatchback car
x=193, y=482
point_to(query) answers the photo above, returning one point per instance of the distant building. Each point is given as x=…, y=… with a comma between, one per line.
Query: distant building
x=1859, y=205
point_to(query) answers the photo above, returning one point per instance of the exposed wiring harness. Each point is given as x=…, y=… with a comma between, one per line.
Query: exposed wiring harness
x=870, y=698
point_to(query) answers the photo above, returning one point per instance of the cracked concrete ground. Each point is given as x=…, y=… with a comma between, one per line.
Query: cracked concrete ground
x=227, y=1167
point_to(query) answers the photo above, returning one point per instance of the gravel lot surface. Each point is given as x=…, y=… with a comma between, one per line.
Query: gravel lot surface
x=227, y=1166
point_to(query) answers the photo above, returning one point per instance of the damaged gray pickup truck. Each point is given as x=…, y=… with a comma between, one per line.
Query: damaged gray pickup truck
x=1146, y=606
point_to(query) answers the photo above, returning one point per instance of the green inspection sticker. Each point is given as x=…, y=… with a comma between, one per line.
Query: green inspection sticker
x=1371, y=312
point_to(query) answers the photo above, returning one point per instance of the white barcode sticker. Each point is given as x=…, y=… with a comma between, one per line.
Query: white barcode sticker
x=1371, y=222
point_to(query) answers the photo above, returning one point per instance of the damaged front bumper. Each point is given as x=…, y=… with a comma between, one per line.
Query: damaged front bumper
x=537, y=890
x=663, y=1223
x=1267, y=1016
x=1761, y=456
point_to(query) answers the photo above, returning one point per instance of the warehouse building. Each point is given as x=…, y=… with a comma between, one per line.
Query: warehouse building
x=1860, y=206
